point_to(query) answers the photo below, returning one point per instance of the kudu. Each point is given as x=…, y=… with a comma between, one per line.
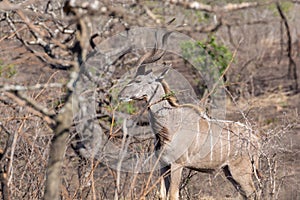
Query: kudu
x=187, y=137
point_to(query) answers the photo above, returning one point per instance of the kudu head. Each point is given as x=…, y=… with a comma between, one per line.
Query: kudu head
x=145, y=82
x=143, y=86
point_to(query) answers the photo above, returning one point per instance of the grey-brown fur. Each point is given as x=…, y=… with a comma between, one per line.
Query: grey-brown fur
x=187, y=137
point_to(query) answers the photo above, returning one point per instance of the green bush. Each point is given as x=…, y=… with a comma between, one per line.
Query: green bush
x=208, y=53
x=128, y=107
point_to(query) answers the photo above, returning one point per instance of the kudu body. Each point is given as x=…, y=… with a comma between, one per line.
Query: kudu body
x=187, y=137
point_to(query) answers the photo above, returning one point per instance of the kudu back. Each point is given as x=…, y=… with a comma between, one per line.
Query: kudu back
x=187, y=137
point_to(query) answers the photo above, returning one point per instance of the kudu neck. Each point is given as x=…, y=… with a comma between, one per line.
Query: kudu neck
x=169, y=94
x=163, y=97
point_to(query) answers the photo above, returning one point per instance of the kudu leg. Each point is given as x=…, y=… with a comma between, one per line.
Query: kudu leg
x=165, y=182
x=176, y=171
x=241, y=177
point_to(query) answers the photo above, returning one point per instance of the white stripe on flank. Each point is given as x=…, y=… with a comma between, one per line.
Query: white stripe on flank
x=198, y=134
x=240, y=141
x=211, y=142
x=221, y=145
x=228, y=140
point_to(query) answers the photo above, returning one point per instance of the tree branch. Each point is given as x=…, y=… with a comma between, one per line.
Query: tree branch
x=64, y=119
x=292, y=64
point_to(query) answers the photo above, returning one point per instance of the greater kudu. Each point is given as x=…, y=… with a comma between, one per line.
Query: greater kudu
x=187, y=137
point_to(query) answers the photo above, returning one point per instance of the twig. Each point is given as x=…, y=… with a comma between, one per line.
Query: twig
x=113, y=121
x=152, y=15
x=122, y=153
x=17, y=88
x=155, y=183
x=13, y=147
x=133, y=181
x=91, y=173
x=33, y=106
x=92, y=179
x=8, y=143
x=46, y=56
x=144, y=193
x=4, y=186
x=48, y=82
x=5, y=5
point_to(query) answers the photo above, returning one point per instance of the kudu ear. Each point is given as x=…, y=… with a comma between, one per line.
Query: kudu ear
x=141, y=70
x=162, y=75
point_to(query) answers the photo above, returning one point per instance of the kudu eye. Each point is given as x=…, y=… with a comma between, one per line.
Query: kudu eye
x=138, y=79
